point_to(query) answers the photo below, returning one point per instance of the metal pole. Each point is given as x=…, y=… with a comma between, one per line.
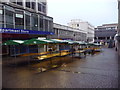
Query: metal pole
x=28, y=57
x=15, y=54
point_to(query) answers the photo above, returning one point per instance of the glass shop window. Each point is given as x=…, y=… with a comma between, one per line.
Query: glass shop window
x=41, y=24
x=9, y=16
x=19, y=21
x=46, y=25
x=34, y=22
x=27, y=20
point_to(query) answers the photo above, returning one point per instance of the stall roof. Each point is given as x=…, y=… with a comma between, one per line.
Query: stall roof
x=13, y=42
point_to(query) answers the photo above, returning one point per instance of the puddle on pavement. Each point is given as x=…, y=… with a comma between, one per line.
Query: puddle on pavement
x=65, y=70
x=43, y=69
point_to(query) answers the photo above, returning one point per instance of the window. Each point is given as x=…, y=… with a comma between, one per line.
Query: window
x=44, y=3
x=19, y=21
x=27, y=4
x=13, y=1
x=1, y=15
x=1, y=12
x=34, y=22
x=44, y=9
x=46, y=25
x=9, y=17
x=41, y=24
x=33, y=5
x=27, y=20
x=50, y=26
x=19, y=3
x=39, y=7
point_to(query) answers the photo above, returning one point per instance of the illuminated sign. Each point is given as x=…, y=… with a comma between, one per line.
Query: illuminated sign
x=22, y=31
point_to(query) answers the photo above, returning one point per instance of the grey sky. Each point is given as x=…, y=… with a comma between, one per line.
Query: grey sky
x=97, y=12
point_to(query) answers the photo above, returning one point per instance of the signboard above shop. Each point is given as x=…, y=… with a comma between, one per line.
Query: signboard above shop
x=22, y=31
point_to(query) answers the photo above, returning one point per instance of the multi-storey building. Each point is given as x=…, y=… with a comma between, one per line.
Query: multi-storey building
x=24, y=19
x=84, y=26
x=66, y=32
x=118, y=32
x=105, y=33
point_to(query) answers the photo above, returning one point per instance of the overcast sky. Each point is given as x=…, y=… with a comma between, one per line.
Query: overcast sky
x=96, y=12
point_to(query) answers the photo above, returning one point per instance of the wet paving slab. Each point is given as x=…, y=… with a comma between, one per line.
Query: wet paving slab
x=94, y=71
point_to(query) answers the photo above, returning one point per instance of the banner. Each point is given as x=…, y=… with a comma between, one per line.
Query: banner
x=22, y=31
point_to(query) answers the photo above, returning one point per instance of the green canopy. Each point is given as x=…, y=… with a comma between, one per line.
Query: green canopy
x=90, y=44
x=46, y=40
x=94, y=44
x=97, y=44
x=57, y=40
x=81, y=43
x=13, y=42
x=71, y=42
x=34, y=41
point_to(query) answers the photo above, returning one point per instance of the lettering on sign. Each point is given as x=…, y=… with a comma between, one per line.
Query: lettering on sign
x=13, y=31
x=22, y=31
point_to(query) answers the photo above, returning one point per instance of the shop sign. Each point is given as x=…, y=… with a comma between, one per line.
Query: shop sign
x=22, y=31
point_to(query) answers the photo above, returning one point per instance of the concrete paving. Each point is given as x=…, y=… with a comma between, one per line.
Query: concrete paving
x=94, y=71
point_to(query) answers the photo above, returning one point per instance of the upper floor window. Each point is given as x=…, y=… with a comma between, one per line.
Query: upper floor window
x=39, y=7
x=33, y=5
x=1, y=15
x=28, y=3
x=13, y=1
x=44, y=9
x=34, y=23
x=9, y=16
x=20, y=3
x=19, y=21
x=1, y=11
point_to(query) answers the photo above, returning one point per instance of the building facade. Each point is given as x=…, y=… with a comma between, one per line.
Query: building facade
x=24, y=19
x=118, y=32
x=105, y=33
x=84, y=26
x=66, y=32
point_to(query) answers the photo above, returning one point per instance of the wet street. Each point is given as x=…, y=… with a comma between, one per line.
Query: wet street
x=93, y=71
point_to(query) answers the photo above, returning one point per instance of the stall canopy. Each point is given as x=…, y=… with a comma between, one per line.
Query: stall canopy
x=93, y=44
x=81, y=42
x=71, y=42
x=13, y=42
x=58, y=40
x=34, y=41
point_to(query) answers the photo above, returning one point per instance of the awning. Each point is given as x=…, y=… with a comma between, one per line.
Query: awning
x=34, y=41
x=13, y=42
x=71, y=42
x=58, y=40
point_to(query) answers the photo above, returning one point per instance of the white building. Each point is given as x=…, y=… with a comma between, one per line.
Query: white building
x=66, y=32
x=84, y=26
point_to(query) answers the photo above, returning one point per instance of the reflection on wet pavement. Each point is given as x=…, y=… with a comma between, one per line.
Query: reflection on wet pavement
x=94, y=71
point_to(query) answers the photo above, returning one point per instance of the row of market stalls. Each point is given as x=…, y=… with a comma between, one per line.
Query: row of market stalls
x=49, y=47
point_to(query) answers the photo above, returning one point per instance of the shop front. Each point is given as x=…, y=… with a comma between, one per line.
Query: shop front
x=21, y=34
